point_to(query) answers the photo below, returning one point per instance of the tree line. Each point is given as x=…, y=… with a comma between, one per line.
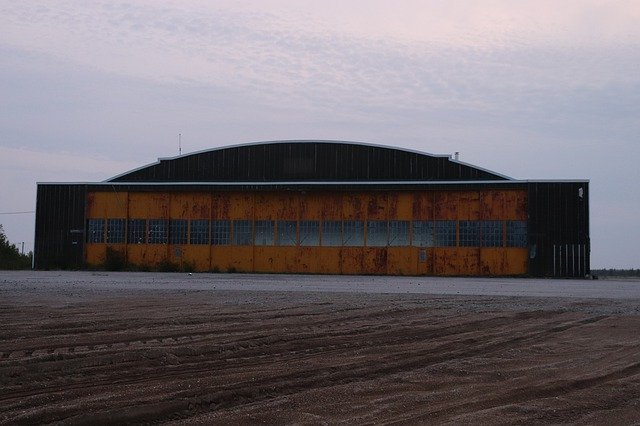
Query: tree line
x=10, y=256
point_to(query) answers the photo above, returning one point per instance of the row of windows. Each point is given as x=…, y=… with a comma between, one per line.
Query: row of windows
x=439, y=233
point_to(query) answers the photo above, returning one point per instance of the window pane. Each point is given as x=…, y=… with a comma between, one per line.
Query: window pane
x=469, y=233
x=376, y=233
x=353, y=233
x=492, y=233
x=115, y=231
x=137, y=234
x=221, y=232
x=422, y=233
x=399, y=233
x=309, y=233
x=516, y=233
x=199, y=232
x=264, y=232
x=95, y=230
x=242, y=233
x=445, y=233
x=158, y=231
x=287, y=233
x=178, y=231
x=332, y=233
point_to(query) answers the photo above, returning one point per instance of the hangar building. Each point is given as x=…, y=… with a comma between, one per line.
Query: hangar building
x=325, y=207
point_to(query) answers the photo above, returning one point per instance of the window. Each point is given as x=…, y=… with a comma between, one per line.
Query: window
x=264, y=232
x=287, y=233
x=491, y=233
x=399, y=233
x=469, y=233
x=157, y=231
x=95, y=230
x=242, y=233
x=516, y=233
x=376, y=233
x=309, y=233
x=221, y=232
x=199, y=232
x=178, y=231
x=115, y=231
x=332, y=233
x=445, y=233
x=137, y=234
x=353, y=233
x=422, y=235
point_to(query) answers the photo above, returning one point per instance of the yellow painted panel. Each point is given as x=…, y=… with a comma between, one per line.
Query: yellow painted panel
x=268, y=259
x=493, y=204
x=492, y=261
x=198, y=255
x=401, y=205
x=277, y=206
x=111, y=205
x=240, y=259
x=402, y=261
x=517, y=261
x=148, y=205
x=329, y=260
x=308, y=260
x=456, y=261
x=190, y=205
x=221, y=258
x=320, y=206
x=95, y=254
x=240, y=205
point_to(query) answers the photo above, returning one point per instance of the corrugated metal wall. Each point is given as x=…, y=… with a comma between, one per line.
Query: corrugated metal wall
x=60, y=223
x=559, y=229
x=302, y=161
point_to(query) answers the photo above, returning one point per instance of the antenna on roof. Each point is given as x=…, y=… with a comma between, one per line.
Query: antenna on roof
x=179, y=144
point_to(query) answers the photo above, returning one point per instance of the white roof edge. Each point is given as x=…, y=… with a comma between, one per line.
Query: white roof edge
x=395, y=182
x=327, y=141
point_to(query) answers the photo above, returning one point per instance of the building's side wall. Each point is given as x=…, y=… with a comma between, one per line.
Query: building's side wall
x=405, y=206
x=559, y=229
x=60, y=222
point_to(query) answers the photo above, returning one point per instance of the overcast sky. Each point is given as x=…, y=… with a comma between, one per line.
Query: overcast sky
x=530, y=89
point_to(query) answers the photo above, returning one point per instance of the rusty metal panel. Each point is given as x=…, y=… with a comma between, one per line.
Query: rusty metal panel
x=446, y=205
x=493, y=261
x=320, y=206
x=352, y=260
x=468, y=205
x=423, y=205
x=378, y=206
x=107, y=205
x=374, y=260
x=354, y=206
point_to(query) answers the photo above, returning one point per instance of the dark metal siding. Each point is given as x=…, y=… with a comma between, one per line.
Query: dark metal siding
x=559, y=229
x=60, y=217
x=306, y=161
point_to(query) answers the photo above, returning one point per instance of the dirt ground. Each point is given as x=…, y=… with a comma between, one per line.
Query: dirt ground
x=76, y=351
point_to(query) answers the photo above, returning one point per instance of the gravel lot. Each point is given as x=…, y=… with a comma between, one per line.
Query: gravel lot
x=84, y=347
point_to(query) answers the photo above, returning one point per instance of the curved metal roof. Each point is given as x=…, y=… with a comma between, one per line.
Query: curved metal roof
x=307, y=161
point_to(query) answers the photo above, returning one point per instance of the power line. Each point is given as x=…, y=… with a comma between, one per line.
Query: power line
x=25, y=212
